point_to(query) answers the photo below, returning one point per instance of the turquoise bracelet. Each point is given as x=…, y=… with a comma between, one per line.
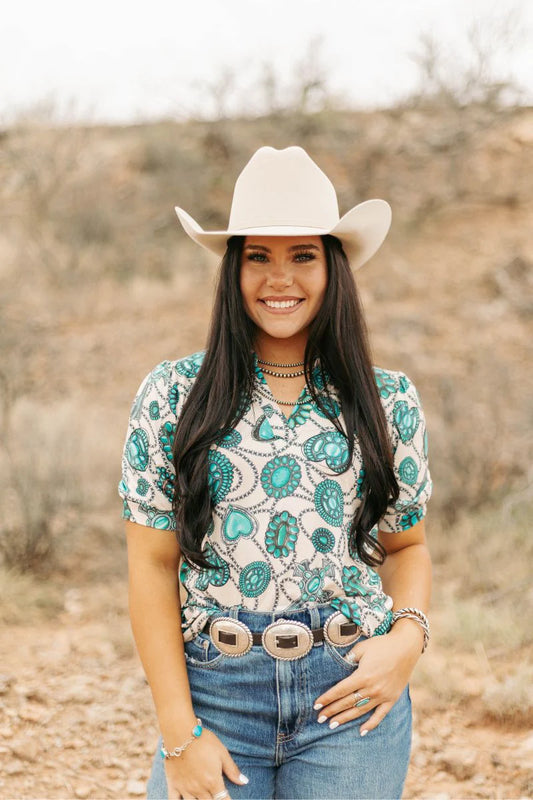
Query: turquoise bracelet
x=196, y=732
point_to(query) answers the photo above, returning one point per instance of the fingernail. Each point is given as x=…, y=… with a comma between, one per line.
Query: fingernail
x=318, y=706
x=363, y=733
x=322, y=718
x=243, y=778
x=334, y=724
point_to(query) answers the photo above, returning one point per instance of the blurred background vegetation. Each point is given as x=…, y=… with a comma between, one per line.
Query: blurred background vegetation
x=99, y=283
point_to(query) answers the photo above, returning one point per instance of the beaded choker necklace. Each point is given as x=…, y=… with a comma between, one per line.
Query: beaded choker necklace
x=276, y=364
x=281, y=374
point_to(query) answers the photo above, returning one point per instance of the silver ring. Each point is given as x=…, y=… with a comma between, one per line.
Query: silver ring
x=220, y=795
x=359, y=700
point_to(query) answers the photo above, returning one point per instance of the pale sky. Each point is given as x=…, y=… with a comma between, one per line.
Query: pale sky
x=125, y=60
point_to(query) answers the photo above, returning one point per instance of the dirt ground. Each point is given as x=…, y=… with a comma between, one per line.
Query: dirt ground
x=77, y=719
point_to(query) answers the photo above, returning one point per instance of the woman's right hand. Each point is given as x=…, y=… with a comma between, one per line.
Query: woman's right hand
x=198, y=772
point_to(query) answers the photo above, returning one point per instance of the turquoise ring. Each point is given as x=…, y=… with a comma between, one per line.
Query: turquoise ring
x=359, y=700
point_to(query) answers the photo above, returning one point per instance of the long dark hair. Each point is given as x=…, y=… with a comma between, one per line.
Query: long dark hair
x=223, y=387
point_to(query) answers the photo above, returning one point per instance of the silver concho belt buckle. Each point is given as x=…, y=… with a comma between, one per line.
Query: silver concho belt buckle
x=339, y=630
x=230, y=636
x=287, y=640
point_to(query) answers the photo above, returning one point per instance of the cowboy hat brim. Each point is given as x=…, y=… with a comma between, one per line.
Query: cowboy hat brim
x=361, y=231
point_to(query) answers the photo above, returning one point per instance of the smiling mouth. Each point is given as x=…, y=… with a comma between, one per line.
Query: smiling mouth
x=282, y=303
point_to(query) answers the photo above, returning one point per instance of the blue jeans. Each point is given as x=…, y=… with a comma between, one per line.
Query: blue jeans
x=261, y=708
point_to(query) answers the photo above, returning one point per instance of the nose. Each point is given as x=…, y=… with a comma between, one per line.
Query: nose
x=279, y=275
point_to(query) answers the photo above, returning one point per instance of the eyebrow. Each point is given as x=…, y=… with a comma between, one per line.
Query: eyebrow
x=291, y=249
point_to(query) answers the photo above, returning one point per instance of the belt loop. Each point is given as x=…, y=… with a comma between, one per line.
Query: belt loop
x=234, y=612
x=315, y=617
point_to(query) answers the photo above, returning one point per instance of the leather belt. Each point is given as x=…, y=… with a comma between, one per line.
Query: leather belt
x=285, y=639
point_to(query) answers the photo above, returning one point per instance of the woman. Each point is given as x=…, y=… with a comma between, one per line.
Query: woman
x=295, y=477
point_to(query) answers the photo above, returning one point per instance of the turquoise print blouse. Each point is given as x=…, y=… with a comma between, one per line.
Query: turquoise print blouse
x=282, y=506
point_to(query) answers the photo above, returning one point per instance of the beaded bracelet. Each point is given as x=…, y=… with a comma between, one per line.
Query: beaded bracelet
x=418, y=616
x=196, y=732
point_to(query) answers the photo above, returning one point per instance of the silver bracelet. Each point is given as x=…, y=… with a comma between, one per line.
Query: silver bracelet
x=418, y=616
x=196, y=732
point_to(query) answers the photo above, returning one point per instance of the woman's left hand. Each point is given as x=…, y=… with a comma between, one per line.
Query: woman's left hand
x=384, y=666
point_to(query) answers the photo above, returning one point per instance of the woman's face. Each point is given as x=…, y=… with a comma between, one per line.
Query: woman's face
x=283, y=282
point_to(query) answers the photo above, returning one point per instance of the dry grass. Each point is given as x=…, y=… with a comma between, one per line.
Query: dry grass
x=484, y=591
x=40, y=472
x=510, y=699
x=487, y=554
x=482, y=644
x=497, y=627
x=59, y=470
x=26, y=599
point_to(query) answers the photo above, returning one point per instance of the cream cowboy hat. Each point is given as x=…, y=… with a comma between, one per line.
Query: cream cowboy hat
x=284, y=193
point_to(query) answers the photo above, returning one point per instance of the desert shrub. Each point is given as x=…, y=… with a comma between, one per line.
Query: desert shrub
x=479, y=452
x=482, y=565
x=25, y=597
x=510, y=699
x=40, y=473
x=470, y=73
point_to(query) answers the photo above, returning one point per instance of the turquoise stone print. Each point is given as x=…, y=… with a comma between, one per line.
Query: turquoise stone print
x=254, y=578
x=329, y=502
x=219, y=476
x=281, y=534
x=137, y=449
x=330, y=447
x=262, y=431
x=281, y=476
x=238, y=522
x=406, y=420
x=173, y=397
x=408, y=471
x=323, y=540
x=386, y=383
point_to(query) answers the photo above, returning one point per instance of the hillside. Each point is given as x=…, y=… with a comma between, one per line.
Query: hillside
x=98, y=283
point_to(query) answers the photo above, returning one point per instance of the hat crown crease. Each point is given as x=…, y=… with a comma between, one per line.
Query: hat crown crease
x=283, y=188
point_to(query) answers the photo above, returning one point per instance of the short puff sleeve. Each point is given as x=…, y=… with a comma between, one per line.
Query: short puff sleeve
x=411, y=466
x=148, y=477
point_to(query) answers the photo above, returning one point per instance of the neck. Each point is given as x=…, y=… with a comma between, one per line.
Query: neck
x=288, y=351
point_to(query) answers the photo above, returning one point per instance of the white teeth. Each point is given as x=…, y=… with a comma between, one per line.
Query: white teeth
x=281, y=303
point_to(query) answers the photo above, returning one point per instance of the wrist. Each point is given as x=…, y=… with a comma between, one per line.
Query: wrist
x=177, y=726
x=408, y=631
x=413, y=614
x=176, y=750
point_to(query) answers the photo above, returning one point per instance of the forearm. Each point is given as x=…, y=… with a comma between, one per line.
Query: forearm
x=154, y=606
x=406, y=577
